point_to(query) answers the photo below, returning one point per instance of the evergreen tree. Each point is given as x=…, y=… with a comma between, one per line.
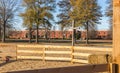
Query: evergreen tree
x=64, y=18
x=28, y=16
x=85, y=13
x=109, y=13
x=28, y=21
x=41, y=10
x=81, y=13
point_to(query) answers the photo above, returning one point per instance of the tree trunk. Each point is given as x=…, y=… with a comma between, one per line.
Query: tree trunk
x=75, y=36
x=54, y=32
x=3, y=36
x=62, y=35
x=49, y=35
x=66, y=35
x=46, y=34
x=37, y=33
x=30, y=38
x=87, y=42
x=0, y=32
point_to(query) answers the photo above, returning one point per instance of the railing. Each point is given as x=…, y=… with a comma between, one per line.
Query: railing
x=60, y=53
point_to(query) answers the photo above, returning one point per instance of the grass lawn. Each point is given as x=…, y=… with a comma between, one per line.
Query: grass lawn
x=100, y=43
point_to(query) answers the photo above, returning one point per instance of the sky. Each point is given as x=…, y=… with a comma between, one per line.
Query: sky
x=104, y=20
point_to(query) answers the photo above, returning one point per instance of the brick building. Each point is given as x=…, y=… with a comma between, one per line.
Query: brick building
x=96, y=35
x=17, y=34
x=58, y=34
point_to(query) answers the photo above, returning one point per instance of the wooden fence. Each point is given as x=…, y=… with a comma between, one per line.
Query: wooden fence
x=57, y=53
x=69, y=53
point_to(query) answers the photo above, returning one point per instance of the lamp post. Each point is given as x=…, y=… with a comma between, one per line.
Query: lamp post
x=73, y=35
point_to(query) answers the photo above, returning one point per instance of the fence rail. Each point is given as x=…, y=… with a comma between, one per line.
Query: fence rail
x=29, y=51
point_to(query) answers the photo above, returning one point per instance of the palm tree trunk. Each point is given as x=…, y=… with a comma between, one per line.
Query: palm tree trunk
x=37, y=34
x=87, y=42
x=30, y=38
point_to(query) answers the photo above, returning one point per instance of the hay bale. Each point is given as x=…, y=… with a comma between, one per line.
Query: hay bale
x=99, y=59
x=93, y=59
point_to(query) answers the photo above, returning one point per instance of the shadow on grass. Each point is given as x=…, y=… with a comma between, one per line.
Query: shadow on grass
x=93, y=68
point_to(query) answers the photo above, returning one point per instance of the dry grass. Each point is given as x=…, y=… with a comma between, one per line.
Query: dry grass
x=31, y=65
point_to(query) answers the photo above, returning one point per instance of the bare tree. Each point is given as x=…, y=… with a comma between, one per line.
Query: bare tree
x=8, y=11
x=0, y=30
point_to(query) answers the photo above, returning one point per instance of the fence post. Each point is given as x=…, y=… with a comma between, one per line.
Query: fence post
x=112, y=67
x=44, y=54
x=116, y=33
x=72, y=56
x=16, y=52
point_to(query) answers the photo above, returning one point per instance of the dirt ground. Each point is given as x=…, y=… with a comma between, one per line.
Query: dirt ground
x=26, y=64
x=31, y=65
